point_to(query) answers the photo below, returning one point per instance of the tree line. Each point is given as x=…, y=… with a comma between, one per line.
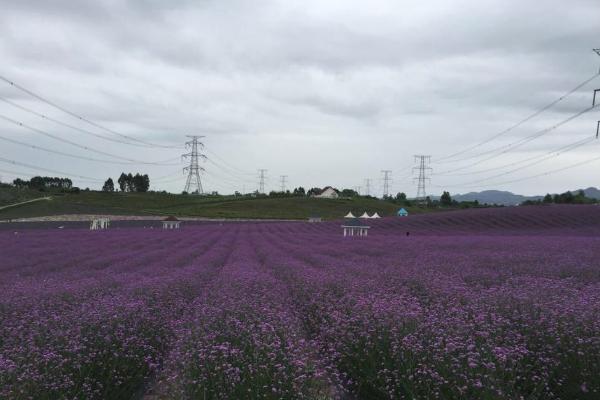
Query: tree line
x=44, y=182
x=563, y=198
x=128, y=183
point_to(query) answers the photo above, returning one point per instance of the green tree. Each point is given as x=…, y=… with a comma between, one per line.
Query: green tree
x=349, y=193
x=109, y=186
x=401, y=197
x=123, y=182
x=299, y=191
x=446, y=199
x=547, y=198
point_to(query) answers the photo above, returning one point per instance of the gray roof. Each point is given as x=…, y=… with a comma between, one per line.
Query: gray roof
x=355, y=222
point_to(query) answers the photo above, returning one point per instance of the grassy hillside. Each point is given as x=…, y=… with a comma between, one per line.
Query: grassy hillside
x=189, y=205
x=11, y=195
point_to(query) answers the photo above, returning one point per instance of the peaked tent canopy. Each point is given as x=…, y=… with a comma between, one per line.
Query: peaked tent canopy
x=365, y=215
x=349, y=215
x=375, y=215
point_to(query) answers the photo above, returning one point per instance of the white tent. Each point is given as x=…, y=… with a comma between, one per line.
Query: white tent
x=365, y=215
x=349, y=215
x=375, y=216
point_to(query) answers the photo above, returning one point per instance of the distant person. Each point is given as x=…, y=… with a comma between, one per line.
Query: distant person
x=407, y=233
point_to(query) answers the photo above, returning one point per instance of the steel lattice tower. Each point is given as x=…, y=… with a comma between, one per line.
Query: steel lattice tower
x=386, y=182
x=261, y=183
x=367, y=187
x=193, y=170
x=423, y=169
x=283, y=182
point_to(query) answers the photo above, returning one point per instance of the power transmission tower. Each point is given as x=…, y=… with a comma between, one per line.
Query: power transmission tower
x=367, y=187
x=423, y=168
x=386, y=182
x=357, y=189
x=283, y=179
x=193, y=179
x=261, y=182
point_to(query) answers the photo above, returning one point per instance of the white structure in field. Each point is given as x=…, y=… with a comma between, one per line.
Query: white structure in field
x=327, y=193
x=171, y=223
x=99, y=223
x=355, y=227
x=349, y=215
x=365, y=215
x=375, y=215
x=315, y=219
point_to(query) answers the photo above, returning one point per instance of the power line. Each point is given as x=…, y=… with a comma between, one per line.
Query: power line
x=78, y=116
x=561, y=149
x=516, y=144
x=547, y=157
x=87, y=178
x=227, y=165
x=194, y=169
x=85, y=131
x=33, y=146
x=58, y=138
x=229, y=174
x=545, y=173
x=521, y=122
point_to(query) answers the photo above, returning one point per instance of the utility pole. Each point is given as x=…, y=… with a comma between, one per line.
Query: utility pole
x=261, y=180
x=193, y=179
x=423, y=168
x=597, y=52
x=367, y=187
x=386, y=182
x=283, y=178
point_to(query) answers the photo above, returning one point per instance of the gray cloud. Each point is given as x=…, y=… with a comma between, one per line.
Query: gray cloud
x=325, y=92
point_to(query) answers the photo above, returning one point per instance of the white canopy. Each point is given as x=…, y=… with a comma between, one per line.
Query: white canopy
x=365, y=215
x=349, y=215
x=375, y=215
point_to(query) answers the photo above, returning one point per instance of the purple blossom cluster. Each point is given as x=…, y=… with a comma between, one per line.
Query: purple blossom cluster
x=503, y=306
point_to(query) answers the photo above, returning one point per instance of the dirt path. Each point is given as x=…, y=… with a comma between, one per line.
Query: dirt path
x=25, y=202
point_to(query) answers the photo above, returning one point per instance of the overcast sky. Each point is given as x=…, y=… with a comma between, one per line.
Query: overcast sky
x=325, y=92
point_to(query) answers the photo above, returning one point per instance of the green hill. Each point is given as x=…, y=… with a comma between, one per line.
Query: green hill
x=197, y=206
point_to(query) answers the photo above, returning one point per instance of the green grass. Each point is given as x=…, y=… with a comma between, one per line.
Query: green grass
x=197, y=206
x=10, y=195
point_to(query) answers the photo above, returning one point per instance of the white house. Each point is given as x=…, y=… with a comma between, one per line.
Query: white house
x=314, y=218
x=327, y=193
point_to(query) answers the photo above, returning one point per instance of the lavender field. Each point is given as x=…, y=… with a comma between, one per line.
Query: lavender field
x=480, y=304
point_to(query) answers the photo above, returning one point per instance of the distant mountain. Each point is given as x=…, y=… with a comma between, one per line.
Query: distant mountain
x=495, y=197
x=592, y=192
x=511, y=199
